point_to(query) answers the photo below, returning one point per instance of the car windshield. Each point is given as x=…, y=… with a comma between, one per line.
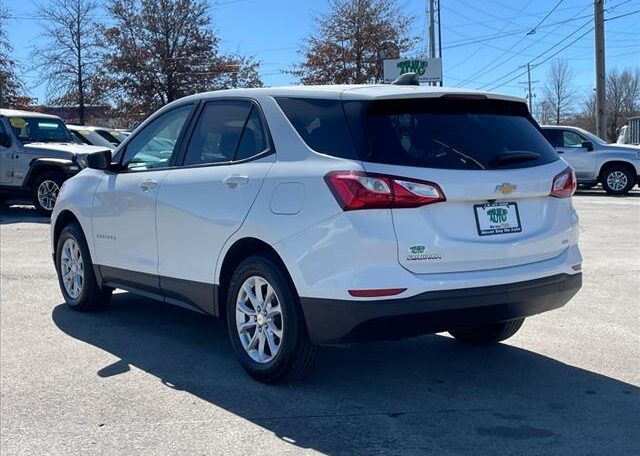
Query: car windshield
x=591, y=137
x=40, y=129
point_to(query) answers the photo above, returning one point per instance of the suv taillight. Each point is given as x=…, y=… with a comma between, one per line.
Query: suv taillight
x=564, y=184
x=359, y=190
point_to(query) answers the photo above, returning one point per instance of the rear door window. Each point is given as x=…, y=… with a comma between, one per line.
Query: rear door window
x=452, y=134
x=254, y=137
x=554, y=136
x=217, y=133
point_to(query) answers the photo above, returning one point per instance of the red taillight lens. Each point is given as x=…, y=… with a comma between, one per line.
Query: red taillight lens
x=564, y=184
x=358, y=190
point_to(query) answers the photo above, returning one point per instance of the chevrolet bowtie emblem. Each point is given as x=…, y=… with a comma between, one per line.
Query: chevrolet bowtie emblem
x=506, y=188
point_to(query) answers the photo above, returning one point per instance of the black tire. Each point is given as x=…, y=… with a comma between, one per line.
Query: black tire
x=57, y=177
x=490, y=334
x=91, y=297
x=628, y=175
x=296, y=353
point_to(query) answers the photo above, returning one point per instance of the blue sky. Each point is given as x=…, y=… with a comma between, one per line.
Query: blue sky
x=484, y=42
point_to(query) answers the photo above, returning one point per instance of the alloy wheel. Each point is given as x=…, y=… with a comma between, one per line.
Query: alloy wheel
x=72, y=268
x=48, y=194
x=259, y=319
x=617, y=181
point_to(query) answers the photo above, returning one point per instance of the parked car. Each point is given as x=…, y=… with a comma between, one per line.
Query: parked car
x=615, y=166
x=630, y=133
x=324, y=215
x=89, y=135
x=37, y=154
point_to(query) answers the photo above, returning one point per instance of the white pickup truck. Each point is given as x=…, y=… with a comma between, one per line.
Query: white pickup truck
x=615, y=166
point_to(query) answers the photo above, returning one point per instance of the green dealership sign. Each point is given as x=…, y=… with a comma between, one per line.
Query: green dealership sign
x=428, y=70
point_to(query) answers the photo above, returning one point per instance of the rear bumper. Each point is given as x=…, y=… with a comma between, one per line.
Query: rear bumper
x=343, y=321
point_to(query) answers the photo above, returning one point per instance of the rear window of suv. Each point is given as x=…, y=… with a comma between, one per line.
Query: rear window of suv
x=452, y=134
x=446, y=133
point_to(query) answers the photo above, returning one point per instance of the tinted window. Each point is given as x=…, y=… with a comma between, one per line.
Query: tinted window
x=108, y=136
x=155, y=144
x=81, y=139
x=254, y=137
x=454, y=134
x=321, y=124
x=571, y=139
x=554, y=136
x=217, y=132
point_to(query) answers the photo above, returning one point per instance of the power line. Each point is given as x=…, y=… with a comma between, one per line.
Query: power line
x=488, y=68
x=545, y=60
x=485, y=38
x=554, y=54
x=501, y=30
x=533, y=30
x=622, y=15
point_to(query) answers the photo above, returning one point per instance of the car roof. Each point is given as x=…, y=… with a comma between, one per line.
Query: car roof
x=563, y=127
x=86, y=127
x=355, y=92
x=20, y=113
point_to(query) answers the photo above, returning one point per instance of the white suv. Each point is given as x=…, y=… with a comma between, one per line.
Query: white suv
x=322, y=215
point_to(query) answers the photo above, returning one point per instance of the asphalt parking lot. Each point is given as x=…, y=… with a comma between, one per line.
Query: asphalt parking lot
x=146, y=378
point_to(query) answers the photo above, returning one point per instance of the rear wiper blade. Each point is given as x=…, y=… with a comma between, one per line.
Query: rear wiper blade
x=465, y=157
x=513, y=157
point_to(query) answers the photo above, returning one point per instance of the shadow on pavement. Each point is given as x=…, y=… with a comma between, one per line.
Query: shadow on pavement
x=428, y=394
x=20, y=214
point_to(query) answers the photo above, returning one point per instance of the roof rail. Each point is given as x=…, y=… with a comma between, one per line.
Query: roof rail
x=407, y=79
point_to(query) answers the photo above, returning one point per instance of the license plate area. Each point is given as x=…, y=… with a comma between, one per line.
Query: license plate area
x=497, y=218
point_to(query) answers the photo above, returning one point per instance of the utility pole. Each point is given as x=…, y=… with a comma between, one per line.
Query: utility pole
x=432, y=31
x=529, y=89
x=529, y=82
x=601, y=114
x=440, y=43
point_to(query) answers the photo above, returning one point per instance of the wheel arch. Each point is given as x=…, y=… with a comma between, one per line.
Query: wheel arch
x=43, y=165
x=238, y=252
x=605, y=166
x=63, y=219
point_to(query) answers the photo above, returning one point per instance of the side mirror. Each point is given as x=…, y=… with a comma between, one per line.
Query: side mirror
x=587, y=145
x=99, y=160
x=5, y=140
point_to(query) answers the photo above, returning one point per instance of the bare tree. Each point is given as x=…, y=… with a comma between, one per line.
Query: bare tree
x=559, y=92
x=69, y=57
x=623, y=98
x=11, y=88
x=161, y=50
x=350, y=40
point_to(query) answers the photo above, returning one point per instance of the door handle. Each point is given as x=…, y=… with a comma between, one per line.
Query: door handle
x=235, y=180
x=148, y=185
